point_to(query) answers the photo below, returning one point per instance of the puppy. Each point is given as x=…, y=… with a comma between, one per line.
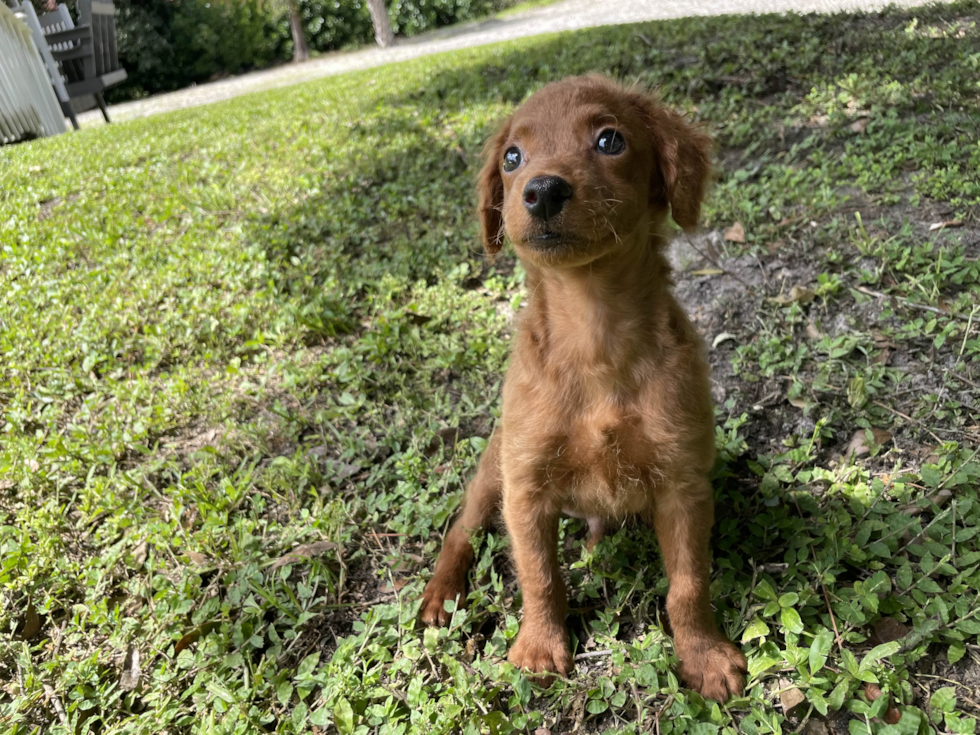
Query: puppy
x=607, y=406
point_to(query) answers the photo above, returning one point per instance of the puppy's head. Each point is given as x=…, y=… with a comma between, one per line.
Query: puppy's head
x=584, y=163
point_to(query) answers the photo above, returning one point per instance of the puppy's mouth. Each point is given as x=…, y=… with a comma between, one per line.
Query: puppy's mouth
x=550, y=239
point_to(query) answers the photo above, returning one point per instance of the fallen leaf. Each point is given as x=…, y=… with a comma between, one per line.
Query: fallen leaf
x=946, y=224
x=300, y=553
x=129, y=679
x=812, y=331
x=187, y=640
x=405, y=561
x=800, y=403
x=723, y=337
x=891, y=715
x=883, y=341
x=859, y=446
x=707, y=272
x=940, y=498
x=139, y=554
x=803, y=295
x=887, y=630
x=928, y=453
x=398, y=584
x=195, y=635
x=343, y=470
x=860, y=125
x=31, y=622
x=735, y=233
x=418, y=318
x=471, y=651
x=881, y=436
x=790, y=697
x=797, y=293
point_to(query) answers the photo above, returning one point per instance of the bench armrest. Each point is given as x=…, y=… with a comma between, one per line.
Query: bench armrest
x=78, y=33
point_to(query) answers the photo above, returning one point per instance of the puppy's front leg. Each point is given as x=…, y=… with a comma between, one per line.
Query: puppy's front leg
x=480, y=503
x=542, y=643
x=710, y=663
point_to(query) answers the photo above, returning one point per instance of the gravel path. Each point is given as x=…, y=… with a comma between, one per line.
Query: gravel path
x=561, y=16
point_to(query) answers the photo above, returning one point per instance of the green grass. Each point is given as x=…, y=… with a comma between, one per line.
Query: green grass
x=235, y=330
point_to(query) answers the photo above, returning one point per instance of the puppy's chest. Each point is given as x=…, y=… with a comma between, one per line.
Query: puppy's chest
x=608, y=462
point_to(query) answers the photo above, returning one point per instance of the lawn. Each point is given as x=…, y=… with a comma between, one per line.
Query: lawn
x=251, y=353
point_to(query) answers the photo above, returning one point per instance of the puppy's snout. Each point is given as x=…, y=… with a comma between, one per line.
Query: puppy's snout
x=544, y=196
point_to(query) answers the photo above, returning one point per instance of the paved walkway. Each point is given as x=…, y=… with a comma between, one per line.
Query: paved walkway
x=561, y=16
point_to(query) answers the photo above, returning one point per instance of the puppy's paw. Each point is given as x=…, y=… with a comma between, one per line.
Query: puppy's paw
x=714, y=668
x=542, y=652
x=439, y=589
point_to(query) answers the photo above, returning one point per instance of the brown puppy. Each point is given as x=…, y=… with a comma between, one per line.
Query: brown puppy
x=607, y=406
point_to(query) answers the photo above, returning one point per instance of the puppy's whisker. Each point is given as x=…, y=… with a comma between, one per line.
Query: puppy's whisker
x=612, y=229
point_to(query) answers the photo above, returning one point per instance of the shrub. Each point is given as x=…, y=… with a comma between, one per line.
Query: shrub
x=411, y=17
x=333, y=24
x=336, y=24
x=218, y=36
x=170, y=44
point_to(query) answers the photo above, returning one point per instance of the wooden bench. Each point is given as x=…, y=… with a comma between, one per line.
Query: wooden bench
x=85, y=54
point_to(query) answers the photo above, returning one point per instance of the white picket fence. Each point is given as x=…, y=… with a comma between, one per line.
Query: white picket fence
x=28, y=105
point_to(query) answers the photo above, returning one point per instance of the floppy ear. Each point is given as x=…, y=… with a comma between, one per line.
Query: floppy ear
x=682, y=165
x=490, y=192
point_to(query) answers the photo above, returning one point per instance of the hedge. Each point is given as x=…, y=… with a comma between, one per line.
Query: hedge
x=170, y=44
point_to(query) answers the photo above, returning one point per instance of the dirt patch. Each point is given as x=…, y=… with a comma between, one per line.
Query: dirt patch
x=729, y=299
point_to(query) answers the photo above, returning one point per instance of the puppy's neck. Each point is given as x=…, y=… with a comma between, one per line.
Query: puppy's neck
x=602, y=317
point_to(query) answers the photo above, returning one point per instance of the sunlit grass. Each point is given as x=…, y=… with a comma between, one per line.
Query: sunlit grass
x=235, y=330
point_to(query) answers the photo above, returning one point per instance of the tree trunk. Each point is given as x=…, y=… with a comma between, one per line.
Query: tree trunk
x=382, y=26
x=301, y=50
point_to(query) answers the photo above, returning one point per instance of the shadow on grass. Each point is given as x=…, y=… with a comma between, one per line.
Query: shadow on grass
x=399, y=201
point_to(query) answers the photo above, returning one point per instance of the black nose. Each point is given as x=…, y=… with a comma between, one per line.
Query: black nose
x=544, y=196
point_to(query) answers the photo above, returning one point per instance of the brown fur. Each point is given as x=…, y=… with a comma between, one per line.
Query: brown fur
x=607, y=409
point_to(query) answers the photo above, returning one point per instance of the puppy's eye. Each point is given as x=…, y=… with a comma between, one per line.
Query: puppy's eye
x=610, y=142
x=512, y=159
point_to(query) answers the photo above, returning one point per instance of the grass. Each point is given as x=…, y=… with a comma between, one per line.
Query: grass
x=251, y=353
